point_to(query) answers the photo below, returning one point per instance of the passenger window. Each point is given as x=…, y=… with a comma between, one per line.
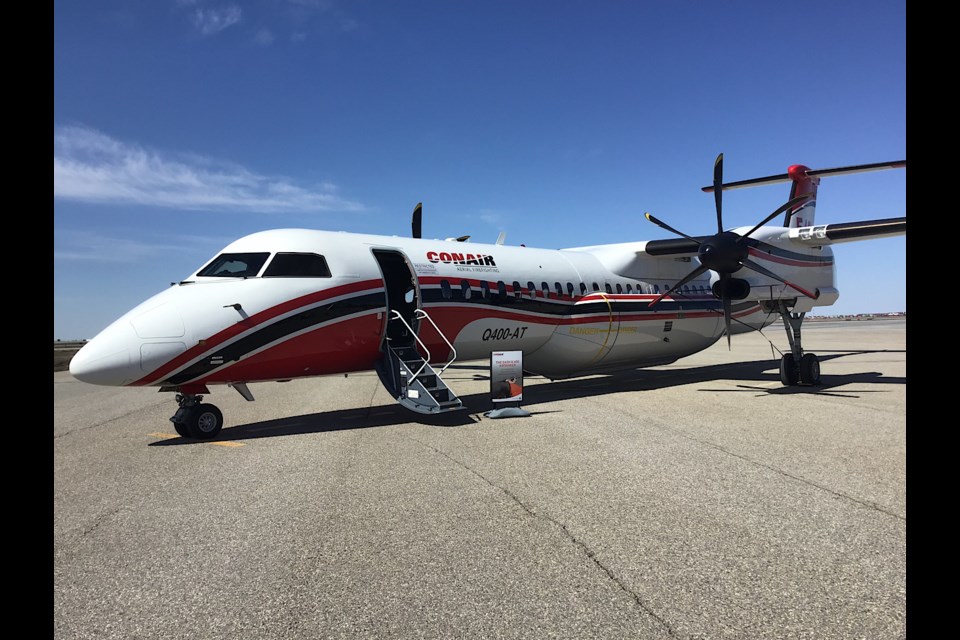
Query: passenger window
x=484, y=290
x=629, y=288
x=559, y=289
x=545, y=289
x=297, y=265
x=235, y=265
x=606, y=285
x=619, y=288
x=596, y=287
x=445, y=290
x=656, y=288
x=465, y=288
x=502, y=289
x=583, y=288
x=531, y=290
x=570, y=289
x=517, y=290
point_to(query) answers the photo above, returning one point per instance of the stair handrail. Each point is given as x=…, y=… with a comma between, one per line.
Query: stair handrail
x=420, y=313
x=396, y=314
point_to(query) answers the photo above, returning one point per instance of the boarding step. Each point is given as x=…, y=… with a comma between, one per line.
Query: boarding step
x=414, y=383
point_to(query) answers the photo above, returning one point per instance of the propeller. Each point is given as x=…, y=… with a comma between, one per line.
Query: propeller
x=417, y=218
x=726, y=252
x=416, y=225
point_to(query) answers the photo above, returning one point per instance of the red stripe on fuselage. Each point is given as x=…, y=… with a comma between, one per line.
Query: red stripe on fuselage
x=350, y=345
x=251, y=323
x=813, y=262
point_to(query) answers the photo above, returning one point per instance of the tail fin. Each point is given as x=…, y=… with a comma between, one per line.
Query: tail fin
x=803, y=183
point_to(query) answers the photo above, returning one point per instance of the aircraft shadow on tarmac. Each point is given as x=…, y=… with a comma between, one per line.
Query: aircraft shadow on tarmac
x=757, y=372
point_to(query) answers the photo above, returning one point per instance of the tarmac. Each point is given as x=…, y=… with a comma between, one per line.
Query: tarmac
x=696, y=500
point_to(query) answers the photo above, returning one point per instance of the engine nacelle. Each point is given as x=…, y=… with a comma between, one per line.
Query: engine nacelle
x=737, y=289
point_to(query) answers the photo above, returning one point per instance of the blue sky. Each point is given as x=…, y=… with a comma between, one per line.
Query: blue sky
x=180, y=125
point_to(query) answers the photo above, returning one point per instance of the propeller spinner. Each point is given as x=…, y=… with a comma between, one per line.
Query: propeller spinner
x=726, y=252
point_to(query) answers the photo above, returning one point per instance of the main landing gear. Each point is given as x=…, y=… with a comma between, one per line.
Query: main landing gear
x=196, y=420
x=796, y=367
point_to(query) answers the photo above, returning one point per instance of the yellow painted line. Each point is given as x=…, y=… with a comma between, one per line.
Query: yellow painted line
x=222, y=444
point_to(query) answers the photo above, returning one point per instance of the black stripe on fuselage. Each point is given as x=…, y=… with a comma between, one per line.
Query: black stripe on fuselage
x=433, y=295
x=276, y=331
x=430, y=295
x=790, y=255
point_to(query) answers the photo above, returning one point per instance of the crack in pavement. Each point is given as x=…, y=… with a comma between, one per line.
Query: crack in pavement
x=100, y=424
x=862, y=503
x=590, y=553
x=99, y=520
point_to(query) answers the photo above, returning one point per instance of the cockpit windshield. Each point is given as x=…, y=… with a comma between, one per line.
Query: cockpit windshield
x=297, y=265
x=234, y=265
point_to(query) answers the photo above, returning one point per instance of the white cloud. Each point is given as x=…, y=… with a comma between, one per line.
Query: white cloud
x=264, y=36
x=88, y=246
x=323, y=5
x=210, y=21
x=89, y=166
x=491, y=217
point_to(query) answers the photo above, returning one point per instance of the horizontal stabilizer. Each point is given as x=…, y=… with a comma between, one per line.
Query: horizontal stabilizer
x=812, y=173
x=849, y=231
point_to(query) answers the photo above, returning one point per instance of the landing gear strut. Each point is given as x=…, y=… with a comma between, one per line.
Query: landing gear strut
x=796, y=367
x=196, y=420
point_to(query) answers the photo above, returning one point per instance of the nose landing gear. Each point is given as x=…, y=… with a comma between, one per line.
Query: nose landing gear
x=195, y=419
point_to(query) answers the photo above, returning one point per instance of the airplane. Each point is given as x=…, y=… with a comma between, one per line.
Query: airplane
x=291, y=303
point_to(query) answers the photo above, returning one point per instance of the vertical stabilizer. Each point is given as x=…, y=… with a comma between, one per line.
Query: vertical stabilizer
x=803, y=183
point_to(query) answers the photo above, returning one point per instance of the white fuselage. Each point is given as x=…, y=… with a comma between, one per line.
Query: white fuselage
x=571, y=312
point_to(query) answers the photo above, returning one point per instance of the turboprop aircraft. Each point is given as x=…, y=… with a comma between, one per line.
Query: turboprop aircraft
x=292, y=303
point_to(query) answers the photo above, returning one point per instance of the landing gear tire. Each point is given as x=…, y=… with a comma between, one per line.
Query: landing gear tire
x=809, y=369
x=181, y=429
x=789, y=370
x=204, y=422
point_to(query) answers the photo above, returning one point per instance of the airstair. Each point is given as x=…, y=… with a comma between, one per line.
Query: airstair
x=407, y=374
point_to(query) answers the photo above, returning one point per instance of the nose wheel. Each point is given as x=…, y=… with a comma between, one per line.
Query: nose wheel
x=196, y=419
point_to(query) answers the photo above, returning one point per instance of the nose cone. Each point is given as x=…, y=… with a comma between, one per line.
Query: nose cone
x=106, y=359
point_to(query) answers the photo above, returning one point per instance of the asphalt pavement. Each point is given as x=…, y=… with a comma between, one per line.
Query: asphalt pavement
x=696, y=500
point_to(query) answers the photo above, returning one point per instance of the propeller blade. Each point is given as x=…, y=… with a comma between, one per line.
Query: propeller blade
x=750, y=264
x=664, y=225
x=718, y=191
x=690, y=276
x=417, y=216
x=726, y=308
x=781, y=209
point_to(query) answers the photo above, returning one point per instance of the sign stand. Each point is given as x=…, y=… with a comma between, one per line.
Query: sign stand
x=506, y=384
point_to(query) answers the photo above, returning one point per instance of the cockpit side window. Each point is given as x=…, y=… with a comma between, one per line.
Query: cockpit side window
x=297, y=265
x=234, y=265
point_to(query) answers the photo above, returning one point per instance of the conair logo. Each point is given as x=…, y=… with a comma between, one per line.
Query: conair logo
x=461, y=258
